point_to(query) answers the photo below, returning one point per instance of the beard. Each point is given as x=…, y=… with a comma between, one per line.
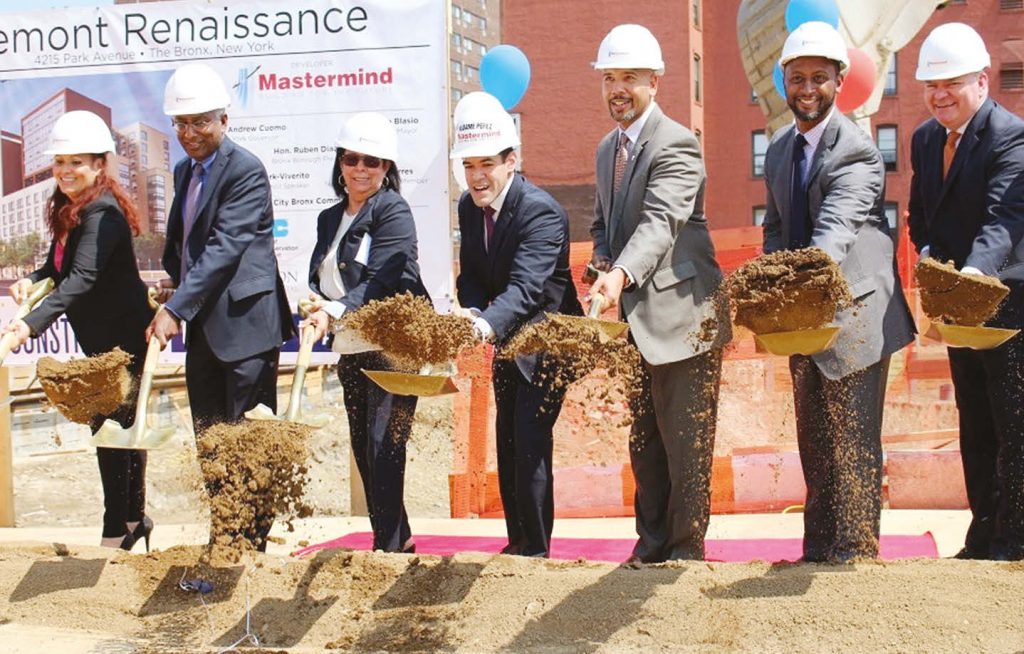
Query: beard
x=810, y=116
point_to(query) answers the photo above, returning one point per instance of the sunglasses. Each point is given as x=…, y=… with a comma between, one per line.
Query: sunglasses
x=352, y=160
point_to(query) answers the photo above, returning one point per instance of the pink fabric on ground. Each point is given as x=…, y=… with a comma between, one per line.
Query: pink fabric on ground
x=616, y=550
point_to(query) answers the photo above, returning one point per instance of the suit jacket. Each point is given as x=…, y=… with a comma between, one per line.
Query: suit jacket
x=975, y=216
x=846, y=199
x=233, y=290
x=390, y=268
x=526, y=272
x=655, y=228
x=98, y=286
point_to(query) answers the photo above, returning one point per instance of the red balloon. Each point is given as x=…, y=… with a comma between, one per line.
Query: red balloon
x=858, y=83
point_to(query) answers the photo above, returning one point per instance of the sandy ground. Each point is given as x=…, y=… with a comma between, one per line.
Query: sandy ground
x=76, y=598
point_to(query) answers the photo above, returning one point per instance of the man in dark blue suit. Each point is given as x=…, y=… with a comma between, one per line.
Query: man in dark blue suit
x=967, y=205
x=514, y=268
x=220, y=258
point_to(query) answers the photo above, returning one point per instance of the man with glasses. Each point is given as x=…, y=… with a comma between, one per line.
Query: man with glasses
x=220, y=258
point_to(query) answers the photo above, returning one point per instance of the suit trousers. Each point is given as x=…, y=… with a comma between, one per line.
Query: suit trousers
x=839, y=435
x=122, y=472
x=526, y=413
x=379, y=426
x=989, y=387
x=671, y=447
x=222, y=391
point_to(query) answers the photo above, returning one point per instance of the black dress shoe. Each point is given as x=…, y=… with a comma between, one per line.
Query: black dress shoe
x=970, y=553
x=1007, y=554
x=143, y=530
x=511, y=548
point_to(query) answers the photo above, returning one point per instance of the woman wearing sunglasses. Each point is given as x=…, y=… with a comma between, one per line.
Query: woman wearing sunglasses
x=366, y=250
x=91, y=261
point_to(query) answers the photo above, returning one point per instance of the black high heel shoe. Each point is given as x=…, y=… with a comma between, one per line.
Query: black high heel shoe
x=142, y=531
x=127, y=542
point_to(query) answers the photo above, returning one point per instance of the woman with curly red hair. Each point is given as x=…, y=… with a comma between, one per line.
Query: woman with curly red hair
x=97, y=285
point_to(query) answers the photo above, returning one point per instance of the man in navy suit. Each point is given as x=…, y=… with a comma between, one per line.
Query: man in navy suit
x=220, y=258
x=514, y=268
x=967, y=205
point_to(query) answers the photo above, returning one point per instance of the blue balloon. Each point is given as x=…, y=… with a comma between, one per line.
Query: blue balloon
x=780, y=80
x=505, y=74
x=803, y=11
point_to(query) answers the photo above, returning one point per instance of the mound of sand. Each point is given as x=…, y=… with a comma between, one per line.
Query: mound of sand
x=949, y=296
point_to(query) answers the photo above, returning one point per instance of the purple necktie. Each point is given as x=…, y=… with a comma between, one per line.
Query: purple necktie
x=195, y=189
x=488, y=226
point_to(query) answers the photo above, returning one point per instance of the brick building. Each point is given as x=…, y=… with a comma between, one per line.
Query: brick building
x=705, y=88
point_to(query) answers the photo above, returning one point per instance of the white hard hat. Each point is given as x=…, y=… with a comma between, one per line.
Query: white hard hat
x=80, y=132
x=482, y=127
x=630, y=46
x=951, y=50
x=370, y=133
x=816, y=39
x=195, y=89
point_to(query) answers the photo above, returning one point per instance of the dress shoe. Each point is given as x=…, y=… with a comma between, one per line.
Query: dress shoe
x=970, y=553
x=126, y=543
x=143, y=531
x=512, y=548
x=1007, y=554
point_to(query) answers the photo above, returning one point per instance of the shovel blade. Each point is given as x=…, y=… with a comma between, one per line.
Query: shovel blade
x=607, y=330
x=111, y=434
x=975, y=338
x=402, y=383
x=804, y=341
x=261, y=412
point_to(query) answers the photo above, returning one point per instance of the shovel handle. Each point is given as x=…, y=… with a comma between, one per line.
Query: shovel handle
x=299, y=376
x=145, y=386
x=36, y=293
x=7, y=344
x=597, y=305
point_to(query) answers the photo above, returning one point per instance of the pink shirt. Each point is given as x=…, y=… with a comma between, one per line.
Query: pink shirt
x=58, y=256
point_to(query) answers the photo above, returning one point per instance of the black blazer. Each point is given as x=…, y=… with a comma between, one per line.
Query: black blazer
x=233, y=291
x=98, y=286
x=526, y=273
x=391, y=267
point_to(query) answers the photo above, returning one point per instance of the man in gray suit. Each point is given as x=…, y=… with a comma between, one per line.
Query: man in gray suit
x=651, y=238
x=826, y=189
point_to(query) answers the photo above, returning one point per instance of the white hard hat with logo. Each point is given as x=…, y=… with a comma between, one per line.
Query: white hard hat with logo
x=482, y=127
x=816, y=39
x=370, y=133
x=951, y=50
x=630, y=46
x=80, y=132
x=195, y=89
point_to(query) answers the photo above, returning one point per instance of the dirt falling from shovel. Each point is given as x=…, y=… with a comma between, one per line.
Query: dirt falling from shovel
x=788, y=290
x=574, y=351
x=410, y=332
x=254, y=471
x=82, y=389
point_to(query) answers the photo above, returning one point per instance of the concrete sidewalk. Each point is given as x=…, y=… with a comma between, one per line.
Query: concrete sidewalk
x=948, y=528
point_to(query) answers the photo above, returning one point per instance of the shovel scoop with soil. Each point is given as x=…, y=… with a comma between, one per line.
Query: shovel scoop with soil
x=82, y=389
x=959, y=304
x=788, y=298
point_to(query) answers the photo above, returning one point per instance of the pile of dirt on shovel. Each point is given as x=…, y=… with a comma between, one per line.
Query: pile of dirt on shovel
x=254, y=471
x=410, y=332
x=949, y=296
x=788, y=290
x=82, y=389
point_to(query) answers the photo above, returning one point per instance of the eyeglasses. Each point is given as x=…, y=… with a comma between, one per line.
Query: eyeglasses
x=201, y=125
x=352, y=160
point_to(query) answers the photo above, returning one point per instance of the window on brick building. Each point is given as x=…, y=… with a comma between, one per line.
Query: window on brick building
x=758, y=147
x=885, y=137
x=892, y=214
x=696, y=78
x=1011, y=76
x=890, y=76
x=757, y=214
x=1011, y=5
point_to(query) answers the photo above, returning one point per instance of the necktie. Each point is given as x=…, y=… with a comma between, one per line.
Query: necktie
x=621, y=157
x=949, y=152
x=195, y=188
x=488, y=226
x=799, y=217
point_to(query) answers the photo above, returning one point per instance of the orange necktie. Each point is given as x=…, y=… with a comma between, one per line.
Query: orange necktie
x=949, y=152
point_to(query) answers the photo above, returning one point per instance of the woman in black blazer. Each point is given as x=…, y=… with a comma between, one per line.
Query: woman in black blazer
x=366, y=250
x=91, y=261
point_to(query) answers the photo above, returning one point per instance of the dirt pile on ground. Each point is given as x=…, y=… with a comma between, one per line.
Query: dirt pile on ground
x=789, y=290
x=374, y=602
x=410, y=332
x=255, y=471
x=82, y=389
x=573, y=350
x=949, y=296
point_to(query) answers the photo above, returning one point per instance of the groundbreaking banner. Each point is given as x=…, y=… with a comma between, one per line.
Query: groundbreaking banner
x=296, y=72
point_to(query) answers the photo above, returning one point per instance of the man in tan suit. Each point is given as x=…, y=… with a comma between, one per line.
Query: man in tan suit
x=651, y=238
